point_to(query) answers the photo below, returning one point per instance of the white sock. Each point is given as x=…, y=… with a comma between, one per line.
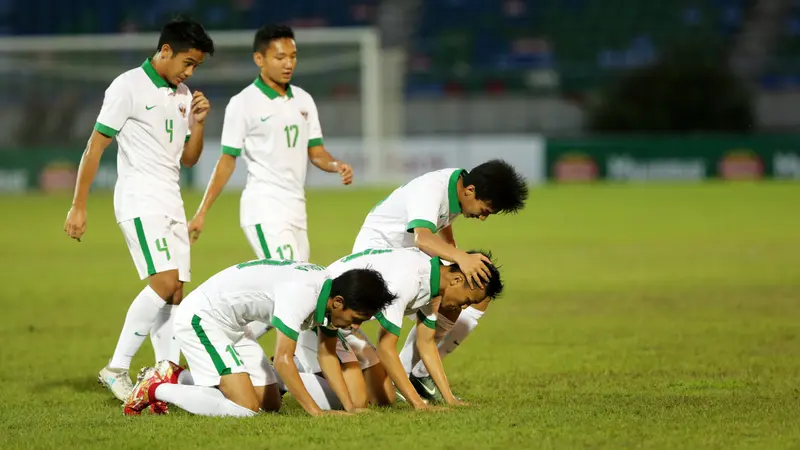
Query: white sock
x=409, y=356
x=200, y=400
x=256, y=329
x=163, y=338
x=444, y=339
x=321, y=392
x=185, y=377
x=140, y=318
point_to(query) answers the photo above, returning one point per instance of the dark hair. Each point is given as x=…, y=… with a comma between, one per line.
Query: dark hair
x=497, y=183
x=268, y=33
x=363, y=290
x=183, y=35
x=494, y=287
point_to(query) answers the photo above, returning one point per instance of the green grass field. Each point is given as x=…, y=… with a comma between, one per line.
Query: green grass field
x=634, y=316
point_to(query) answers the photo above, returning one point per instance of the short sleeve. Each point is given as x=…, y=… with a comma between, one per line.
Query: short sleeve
x=314, y=128
x=391, y=317
x=423, y=206
x=293, y=305
x=426, y=316
x=117, y=108
x=189, y=115
x=234, y=128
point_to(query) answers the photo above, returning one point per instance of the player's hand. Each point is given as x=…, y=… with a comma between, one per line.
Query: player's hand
x=346, y=172
x=196, y=227
x=335, y=413
x=457, y=402
x=200, y=107
x=474, y=266
x=75, y=225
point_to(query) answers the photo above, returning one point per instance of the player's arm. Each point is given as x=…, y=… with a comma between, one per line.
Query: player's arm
x=325, y=161
x=193, y=148
x=117, y=107
x=317, y=153
x=387, y=352
x=446, y=234
x=332, y=368
x=429, y=353
x=473, y=265
x=234, y=130
x=284, y=365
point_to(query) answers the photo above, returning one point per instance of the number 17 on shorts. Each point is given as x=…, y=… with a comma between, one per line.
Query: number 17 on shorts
x=158, y=244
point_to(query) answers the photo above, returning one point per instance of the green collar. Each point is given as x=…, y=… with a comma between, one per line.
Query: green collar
x=268, y=91
x=160, y=82
x=452, y=191
x=436, y=275
x=322, y=301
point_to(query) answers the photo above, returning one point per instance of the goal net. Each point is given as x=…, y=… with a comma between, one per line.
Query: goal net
x=52, y=89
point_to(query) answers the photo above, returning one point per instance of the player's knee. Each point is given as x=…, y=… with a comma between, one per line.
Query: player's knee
x=272, y=404
x=166, y=284
x=177, y=297
x=250, y=403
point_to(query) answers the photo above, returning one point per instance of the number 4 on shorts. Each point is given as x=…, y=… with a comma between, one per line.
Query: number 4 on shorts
x=161, y=245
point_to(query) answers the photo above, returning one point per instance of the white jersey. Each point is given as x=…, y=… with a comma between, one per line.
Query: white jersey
x=150, y=119
x=429, y=201
x=409, y=273
x=292, y=296
x=274, y=134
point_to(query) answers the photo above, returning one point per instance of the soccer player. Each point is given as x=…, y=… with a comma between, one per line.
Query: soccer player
x=420, y=214
x=424, y=287
x=275, y=127
x=158, y=124
x=231, y=374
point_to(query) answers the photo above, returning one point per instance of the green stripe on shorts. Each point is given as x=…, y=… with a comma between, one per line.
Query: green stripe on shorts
x=222, y=369
x=151, y=269
x=263, y=241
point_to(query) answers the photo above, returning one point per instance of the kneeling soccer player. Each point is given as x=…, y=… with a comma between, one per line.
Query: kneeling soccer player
x=231, y=374
x=424, y=287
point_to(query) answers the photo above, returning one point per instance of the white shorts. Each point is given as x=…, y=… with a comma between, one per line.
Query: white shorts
x=158, y=244
x=283, y=242
x=360, y=351
x=213, y=350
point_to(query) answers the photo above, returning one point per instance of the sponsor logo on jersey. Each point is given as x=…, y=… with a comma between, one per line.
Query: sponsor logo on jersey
x=740, y=164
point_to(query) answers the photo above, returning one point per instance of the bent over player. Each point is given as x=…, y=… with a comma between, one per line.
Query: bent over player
x=231, y=374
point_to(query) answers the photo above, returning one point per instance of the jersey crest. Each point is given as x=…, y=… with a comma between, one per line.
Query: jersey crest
x=182, y=110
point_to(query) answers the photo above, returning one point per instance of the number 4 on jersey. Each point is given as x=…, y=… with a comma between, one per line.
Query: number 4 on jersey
x=168, y=127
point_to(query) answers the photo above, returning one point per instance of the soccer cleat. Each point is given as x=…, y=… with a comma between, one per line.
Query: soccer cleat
x=426, y=388
x=168, y=371
x=143, y=394
x=116, y=381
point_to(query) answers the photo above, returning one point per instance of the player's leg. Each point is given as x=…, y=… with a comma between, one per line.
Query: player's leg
x=378, y=385
x=161, y=333
x=464, y=323
x=262, y=376
x=222, y=387
x=148, y=240
x=307, y=364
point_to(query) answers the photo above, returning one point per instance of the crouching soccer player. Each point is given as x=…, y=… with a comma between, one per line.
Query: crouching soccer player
x=425, y=287
x=420, y=214
x=230, y=373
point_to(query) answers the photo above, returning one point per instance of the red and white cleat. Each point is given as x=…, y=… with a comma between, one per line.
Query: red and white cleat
x=168, y=371
x=143, y=393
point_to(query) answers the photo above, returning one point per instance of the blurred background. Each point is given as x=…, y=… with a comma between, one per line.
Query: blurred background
x=568, y=90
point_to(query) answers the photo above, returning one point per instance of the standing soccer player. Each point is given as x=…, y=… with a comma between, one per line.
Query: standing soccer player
x=159, y=125
x=275, y=127
x=420, y=214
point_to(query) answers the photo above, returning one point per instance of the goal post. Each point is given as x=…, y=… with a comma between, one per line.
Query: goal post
x=92, y=61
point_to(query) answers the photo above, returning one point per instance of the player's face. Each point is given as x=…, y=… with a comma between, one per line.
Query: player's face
x=472, y=208
x=181, y=66
x=459, y=296
x=341, y=317
x=280, y=60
